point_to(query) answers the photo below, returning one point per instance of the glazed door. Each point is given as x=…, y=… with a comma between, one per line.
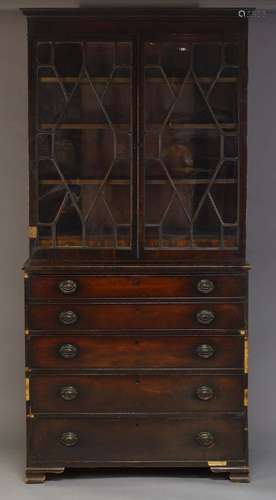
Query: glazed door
x=84, y=159
x=192, y=126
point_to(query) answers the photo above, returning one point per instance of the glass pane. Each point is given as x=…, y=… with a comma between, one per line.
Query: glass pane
x=84, y=144
x=191, y=145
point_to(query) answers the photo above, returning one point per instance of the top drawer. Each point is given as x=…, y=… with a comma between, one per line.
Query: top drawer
x=54, y=287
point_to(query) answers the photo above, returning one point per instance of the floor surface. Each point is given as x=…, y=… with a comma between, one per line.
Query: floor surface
x=137, y=485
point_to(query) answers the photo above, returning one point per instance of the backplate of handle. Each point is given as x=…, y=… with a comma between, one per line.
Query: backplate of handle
x=68, y=351
x=69, y=438
x=68, y=287
x=68, y=392
x=205, y=438
x=205, y=286
x=205, y=316
x=68, y=317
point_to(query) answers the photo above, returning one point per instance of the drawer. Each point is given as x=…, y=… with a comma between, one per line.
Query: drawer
x=135, y=351
x=129, y=439
x=55, y=287
x=72, y=316
x=138, y=392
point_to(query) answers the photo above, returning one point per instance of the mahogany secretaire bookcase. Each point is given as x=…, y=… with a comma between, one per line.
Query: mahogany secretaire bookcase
x=136, y=285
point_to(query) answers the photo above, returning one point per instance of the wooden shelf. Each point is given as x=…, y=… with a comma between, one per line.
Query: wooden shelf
x=191, y=181
x=85, y=126
x=83, y=182
x=125, y=80
x=125, y=126
x=228, y=126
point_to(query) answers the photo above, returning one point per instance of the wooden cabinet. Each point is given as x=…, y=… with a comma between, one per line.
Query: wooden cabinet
x=136, y=285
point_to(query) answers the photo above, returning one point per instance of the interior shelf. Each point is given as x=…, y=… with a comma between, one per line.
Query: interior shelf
x=124, y=126
x=97, y=79
x=50, y=182
x=84, y=126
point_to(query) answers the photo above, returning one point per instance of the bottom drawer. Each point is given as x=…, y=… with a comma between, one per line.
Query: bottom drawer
x=60, y=441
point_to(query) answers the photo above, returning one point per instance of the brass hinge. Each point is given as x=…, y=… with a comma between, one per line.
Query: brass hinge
x=26, y=276
x=246, y=355
x=217, y=463
x=27, y=332
x=27, y=389
x=245, y=397
x=242, y=332
x=32, y=232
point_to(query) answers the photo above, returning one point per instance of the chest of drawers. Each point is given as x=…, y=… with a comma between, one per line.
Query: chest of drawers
x=138, y=369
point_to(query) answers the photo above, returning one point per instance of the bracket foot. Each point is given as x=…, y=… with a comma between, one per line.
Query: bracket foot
x=38, y=475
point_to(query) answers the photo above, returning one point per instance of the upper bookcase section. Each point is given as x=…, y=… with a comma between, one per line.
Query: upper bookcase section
x=138, y=135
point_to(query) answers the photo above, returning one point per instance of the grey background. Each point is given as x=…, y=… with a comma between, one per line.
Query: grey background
x=261, y=244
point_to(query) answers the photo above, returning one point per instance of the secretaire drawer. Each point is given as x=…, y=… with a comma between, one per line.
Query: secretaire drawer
x=55, y=287
x=135, y=351
x=72, y=316
x=60, y=440
x=135, y=392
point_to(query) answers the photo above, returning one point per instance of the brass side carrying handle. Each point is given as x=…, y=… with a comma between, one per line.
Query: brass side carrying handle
x=205, y=286
x=68, y=351
x=205, y=317
x=68, y=392
x=68, y=317
x=205, y=438
x=69, y=439
x=68, y=287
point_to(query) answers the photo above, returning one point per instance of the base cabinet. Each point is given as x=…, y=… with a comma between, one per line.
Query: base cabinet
x=152, y=397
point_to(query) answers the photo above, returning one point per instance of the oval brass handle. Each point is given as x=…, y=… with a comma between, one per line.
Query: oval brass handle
x=205, y=317
x=205, y=438
x=69, y=439
x=68, y=287
x=204, y=393
x=68, y=351
x=205, y=351
x=205, y=286
x=68, y=392
x=68, y=317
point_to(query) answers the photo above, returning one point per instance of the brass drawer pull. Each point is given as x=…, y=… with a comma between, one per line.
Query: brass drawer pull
x=205, y=438
x=68, y=392
x=205, y=286
x=67, y=287
x=68, y=317
x=68, y=351
x=69, y=439
x=204, y=393
x=205, y=317
x=205, y=351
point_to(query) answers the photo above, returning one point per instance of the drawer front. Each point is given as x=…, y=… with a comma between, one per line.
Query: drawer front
x=135, y=351
x=130, y=439
x=140, y=392
x=72, y=316
x=55, y=287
